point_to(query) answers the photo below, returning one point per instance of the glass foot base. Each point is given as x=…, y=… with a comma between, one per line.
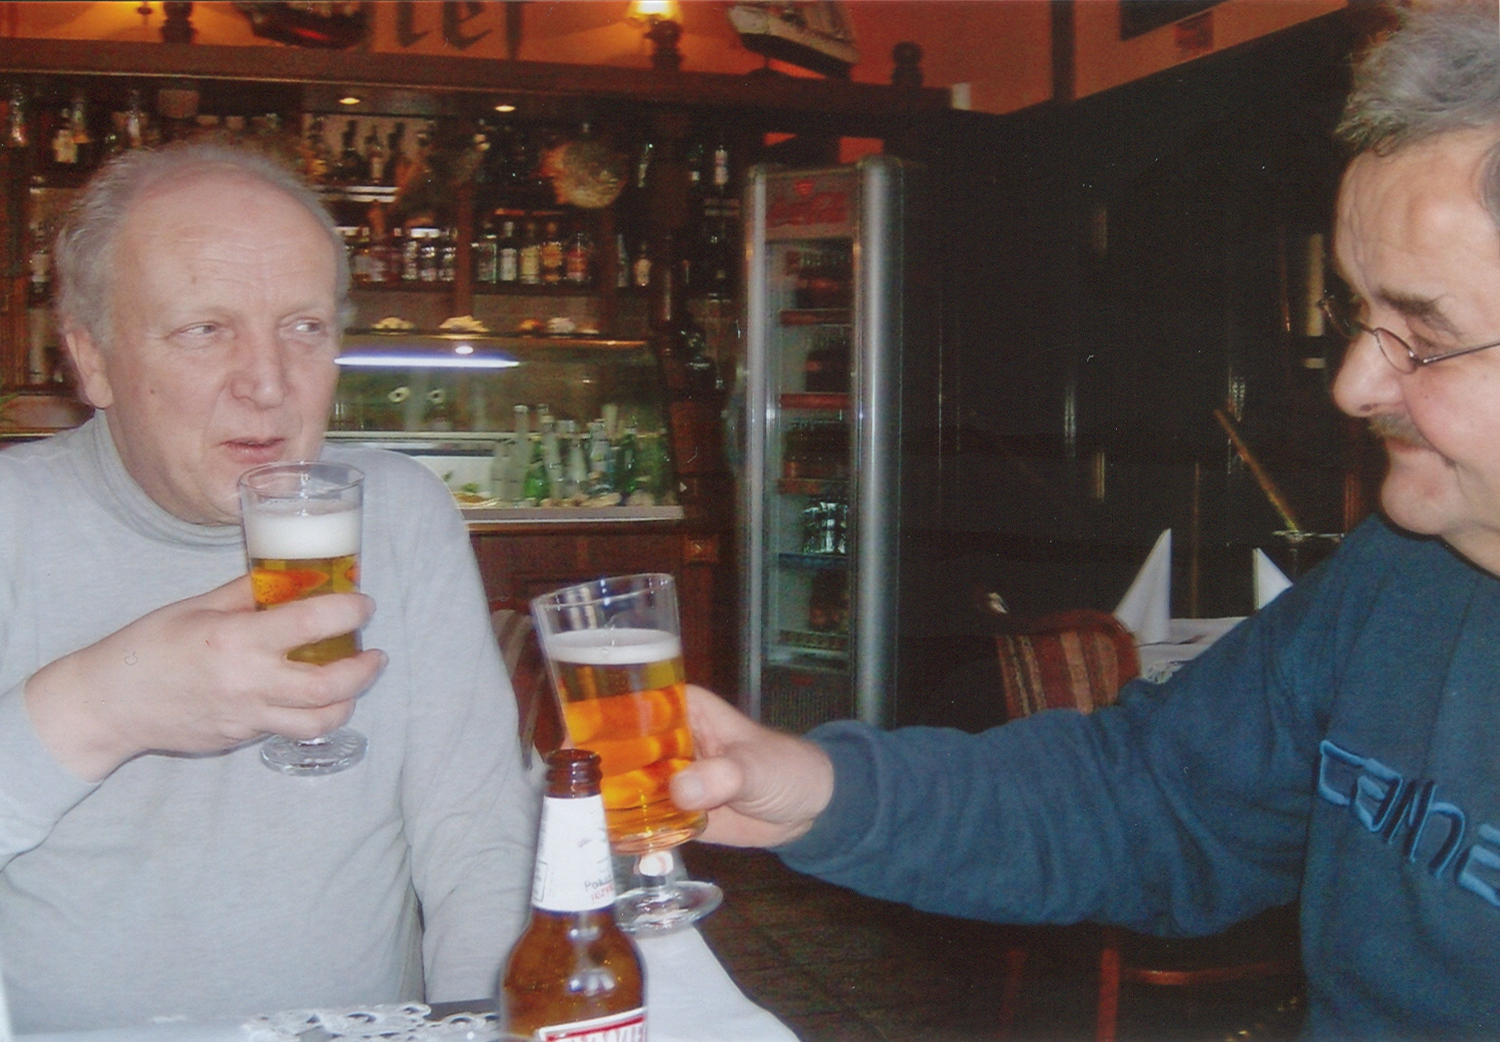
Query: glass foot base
x=331, y=753
x=652, y=910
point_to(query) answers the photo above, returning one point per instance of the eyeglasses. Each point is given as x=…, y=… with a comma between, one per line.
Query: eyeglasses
x=1401, y=355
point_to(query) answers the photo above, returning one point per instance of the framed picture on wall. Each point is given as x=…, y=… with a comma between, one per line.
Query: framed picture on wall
x=1141, y=16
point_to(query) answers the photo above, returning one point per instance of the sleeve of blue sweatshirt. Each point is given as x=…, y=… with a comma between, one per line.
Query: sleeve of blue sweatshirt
x=1179, y=811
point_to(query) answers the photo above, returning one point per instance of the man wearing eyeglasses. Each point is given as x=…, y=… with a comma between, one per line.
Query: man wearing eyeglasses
x=1341, y=748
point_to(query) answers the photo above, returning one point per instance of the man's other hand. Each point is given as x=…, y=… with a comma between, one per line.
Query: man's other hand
x=200, y=676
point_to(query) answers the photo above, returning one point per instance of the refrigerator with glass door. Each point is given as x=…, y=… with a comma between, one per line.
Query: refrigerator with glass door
x=833, y=377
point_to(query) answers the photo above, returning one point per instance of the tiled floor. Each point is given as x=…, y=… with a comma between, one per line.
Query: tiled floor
x=838, y=967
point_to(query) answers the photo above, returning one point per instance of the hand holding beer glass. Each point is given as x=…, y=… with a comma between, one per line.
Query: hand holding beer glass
x=302, y=531
x=614, y=651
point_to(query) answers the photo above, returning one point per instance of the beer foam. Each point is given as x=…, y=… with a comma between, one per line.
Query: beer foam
x=297, y=536
x=606, y=647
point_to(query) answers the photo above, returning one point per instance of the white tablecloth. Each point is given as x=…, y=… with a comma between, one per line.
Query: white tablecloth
x=1186, y=640
x=689, y=998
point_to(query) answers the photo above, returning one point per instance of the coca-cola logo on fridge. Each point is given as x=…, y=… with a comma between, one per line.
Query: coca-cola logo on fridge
x=808, y=203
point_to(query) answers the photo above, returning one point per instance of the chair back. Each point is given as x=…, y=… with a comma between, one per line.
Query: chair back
x=1069, y=660
x=539, y=723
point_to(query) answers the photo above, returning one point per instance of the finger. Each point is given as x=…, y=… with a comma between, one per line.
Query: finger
x=302, y=725
x=301, y=685
x=296, y=623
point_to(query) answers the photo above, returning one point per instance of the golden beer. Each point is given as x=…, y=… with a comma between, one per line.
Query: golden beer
x=622, y=696
x=294, y=556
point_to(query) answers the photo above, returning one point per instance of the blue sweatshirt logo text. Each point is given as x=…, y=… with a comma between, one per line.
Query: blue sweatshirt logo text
x=1430, y=831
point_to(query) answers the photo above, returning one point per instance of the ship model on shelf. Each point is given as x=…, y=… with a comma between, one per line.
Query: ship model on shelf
x=811, y=35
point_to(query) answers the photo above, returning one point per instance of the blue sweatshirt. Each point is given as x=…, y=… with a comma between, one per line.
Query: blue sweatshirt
x=1342, y=746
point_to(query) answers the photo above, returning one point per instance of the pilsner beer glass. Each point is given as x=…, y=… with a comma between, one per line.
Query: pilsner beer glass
x=614, y=651
x=302, y=530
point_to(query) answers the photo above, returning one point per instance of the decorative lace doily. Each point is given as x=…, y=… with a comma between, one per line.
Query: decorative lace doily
x=386, y=1023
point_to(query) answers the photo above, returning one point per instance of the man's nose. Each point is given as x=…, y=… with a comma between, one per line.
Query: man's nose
x=1366, y=384
x=260, y=374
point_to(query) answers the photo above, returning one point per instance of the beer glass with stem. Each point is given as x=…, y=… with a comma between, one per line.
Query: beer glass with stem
x=302, y=532
x=614, y=650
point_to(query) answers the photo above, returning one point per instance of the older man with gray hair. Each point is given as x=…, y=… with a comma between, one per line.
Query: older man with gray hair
x=1341, y=747
x=150, y=864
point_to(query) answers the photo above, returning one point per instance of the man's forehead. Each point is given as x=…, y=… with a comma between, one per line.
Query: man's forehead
x=1417, y=206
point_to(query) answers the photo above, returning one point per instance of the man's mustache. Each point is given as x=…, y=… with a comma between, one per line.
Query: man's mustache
x=1397, y=427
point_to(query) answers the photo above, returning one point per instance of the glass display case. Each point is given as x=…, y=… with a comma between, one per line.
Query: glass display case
x=524, y=428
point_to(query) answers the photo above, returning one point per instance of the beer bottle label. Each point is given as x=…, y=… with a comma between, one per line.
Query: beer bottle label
x=619, y=1027
x=573, y=870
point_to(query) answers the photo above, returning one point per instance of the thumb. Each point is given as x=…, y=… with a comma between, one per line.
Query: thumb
x=706, y=784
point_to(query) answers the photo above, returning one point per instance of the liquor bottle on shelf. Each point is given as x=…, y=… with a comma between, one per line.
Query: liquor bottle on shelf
x=552, y=462
x=578, y=258
x=350, y=170
x=640, y=267
x=716, y=261
x=359, y=256
x=17, y=132
x=63, y=146
x=83, y=139
x=574, y=973
x=643, y=165
x=530, y=257
x=447, y=254
x=397, y=163
x=135, y=122
x=487, y=255
x=694, y=161
x=720, y=178
x=382, y=259
x=375, y=157
x=622, y=262
x=39, y=292
x=316, y=162
x=552, y=255
x=575, y=466
x=600, y=460
x=508, y=263
x=411, y=258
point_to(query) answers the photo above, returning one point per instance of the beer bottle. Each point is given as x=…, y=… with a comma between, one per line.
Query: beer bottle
x=573, y=973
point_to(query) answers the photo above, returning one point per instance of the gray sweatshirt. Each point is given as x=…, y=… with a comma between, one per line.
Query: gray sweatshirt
x=211, y=886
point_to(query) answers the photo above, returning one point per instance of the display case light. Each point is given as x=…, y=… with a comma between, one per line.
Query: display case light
x=463, y=356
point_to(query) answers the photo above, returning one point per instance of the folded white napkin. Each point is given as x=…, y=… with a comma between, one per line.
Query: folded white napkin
x=1269, y=580
x=1146, y=608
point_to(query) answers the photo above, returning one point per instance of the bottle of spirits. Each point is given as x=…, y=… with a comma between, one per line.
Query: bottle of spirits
x=375, y=157
x=578, y=258
x=486, y=251
x=447, y=254
x=640, y=267
x=508, y=268
x=530, y=257
x=552, y=255
x=351, y=166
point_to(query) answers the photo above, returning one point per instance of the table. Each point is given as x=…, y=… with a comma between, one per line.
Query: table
x=1186, y=640
x=687, y=990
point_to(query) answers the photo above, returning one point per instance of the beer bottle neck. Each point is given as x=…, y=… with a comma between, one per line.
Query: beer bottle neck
x=573, y=868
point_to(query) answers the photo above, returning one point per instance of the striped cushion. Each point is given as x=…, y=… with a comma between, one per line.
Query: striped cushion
x=1072, y=660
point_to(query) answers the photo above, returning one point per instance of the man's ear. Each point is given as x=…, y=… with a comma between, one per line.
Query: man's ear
x=90, y=365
